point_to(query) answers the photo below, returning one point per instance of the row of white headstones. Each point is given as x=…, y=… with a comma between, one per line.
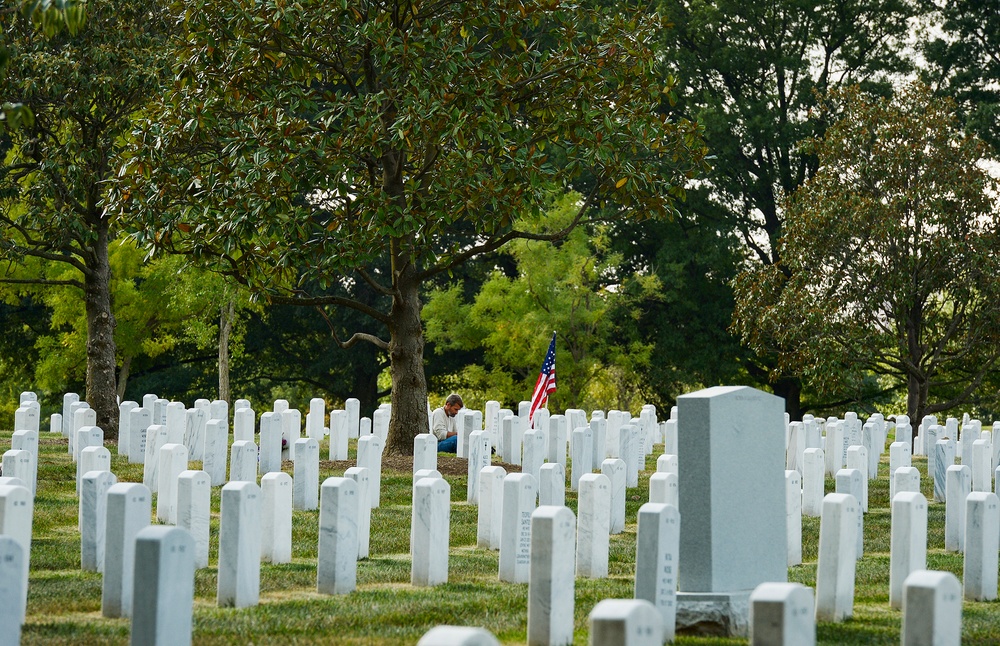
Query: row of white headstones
x=183, y=499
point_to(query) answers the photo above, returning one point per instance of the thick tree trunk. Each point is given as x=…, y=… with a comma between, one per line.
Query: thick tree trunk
x=225, y=330
x=791, y=389
x=102, y=394
x=406, y=354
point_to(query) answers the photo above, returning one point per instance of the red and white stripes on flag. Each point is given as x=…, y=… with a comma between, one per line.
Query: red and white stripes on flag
x=546, y=382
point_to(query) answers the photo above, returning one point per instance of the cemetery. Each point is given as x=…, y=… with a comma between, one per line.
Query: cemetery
x=724, y=524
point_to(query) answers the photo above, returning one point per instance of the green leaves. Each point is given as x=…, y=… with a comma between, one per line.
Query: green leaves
x=883, y=251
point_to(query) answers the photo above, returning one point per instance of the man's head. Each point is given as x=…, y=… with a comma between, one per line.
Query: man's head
x=452, y=405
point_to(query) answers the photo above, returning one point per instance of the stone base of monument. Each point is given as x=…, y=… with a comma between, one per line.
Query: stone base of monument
x=725, y=614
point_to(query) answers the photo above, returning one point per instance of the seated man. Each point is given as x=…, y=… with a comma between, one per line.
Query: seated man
x=443, y=424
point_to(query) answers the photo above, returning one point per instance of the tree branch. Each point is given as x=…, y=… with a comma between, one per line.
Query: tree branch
x=42, y=281
x=495, y=243
x=357, y=336
x=302, y=299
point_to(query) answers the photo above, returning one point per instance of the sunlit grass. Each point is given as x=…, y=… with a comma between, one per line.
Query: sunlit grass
x=64, y=603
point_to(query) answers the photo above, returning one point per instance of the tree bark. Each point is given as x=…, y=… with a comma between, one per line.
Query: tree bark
x=225, y=330
x=406, y=356
x=790, y=388
x=102, y=393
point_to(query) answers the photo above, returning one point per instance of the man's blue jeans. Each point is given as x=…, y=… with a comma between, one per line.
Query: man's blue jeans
x=448, y=445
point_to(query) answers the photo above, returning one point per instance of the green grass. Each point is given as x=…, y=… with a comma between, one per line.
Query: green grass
x=64, y=604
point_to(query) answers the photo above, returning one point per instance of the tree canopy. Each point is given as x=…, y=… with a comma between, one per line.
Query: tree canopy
x=83, y=90
x=890, y=251
x=308, y=145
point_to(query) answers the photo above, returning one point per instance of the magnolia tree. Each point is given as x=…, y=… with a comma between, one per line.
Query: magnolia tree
x=891, y=257
x=82, y=88
x=307, y=147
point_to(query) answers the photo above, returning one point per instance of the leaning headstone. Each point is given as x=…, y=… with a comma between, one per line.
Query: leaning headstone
x=163, y=587
x=781, y=614
x=793, y=516
x=194, y=510
x=625, y=622
x=361, y=478
x=837, y=557
x=515, y=527
x=243, y=462
x=551, y=576
x=173, y=461
x=12, y=591
x=657, y=547
x=614, y=469
x=276, y=517
x=957, y=488
x=430, y=529
x=593, y=524
x=490, y=507
x=216, y=451
x=982, y=542
x=306, y=470
x=129, y=507
x=337, y=561
x=93, y=518
x=458, y=636
x=16, y=510
x=239, y=546
x=932, y=609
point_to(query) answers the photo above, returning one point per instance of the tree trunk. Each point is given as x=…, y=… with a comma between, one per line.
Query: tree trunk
x=406, y=356
x=123, y=375
x=225, y=330
x=102, y=393
x=791, y=389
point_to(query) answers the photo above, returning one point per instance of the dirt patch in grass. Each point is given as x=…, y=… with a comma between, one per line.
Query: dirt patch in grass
x=448, y=465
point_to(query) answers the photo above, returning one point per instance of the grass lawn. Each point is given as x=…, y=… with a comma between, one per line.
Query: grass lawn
x=64, y=603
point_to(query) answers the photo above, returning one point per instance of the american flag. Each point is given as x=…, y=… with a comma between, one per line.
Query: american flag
x=546, y=382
